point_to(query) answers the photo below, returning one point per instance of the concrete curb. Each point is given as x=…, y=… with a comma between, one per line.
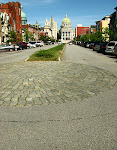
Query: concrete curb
x=60, y=58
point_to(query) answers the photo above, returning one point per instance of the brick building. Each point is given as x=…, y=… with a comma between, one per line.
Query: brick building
x=32, y=29
x=80, y=30
x=13, y=9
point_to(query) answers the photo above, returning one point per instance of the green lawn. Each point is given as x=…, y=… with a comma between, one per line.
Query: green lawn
x=52, y=54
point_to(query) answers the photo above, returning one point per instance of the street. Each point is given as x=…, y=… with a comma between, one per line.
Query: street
x=63, y=105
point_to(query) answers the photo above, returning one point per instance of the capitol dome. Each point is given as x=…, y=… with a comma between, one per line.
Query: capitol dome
x=66, y=20
x=67, y=33
x=23, y=17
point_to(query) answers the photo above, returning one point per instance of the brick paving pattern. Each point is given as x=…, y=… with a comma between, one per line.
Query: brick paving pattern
x=46, y=83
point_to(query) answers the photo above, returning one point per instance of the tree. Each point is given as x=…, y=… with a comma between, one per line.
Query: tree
x=27, y=35
x=14, y=37
x=84, y=37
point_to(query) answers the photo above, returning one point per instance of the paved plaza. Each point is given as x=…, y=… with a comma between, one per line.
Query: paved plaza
x=45, y=83
x=58, y=105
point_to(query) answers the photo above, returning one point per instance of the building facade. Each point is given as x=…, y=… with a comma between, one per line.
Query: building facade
x=102, y=24
x=50, y=28
x=33, y=29
x=5, y=28
x=113, y=24
x=67, y=33
x=80, y=30
x=13, y=10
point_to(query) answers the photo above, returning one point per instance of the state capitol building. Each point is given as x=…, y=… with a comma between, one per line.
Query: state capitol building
x=67, y=33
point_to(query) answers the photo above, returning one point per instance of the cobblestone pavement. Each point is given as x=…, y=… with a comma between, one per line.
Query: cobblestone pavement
x=46, y=83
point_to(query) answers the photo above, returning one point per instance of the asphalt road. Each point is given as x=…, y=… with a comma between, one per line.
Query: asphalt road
x=20, y=55
x=89, y=123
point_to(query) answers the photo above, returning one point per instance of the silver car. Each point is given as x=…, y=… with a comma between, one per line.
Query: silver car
x=97, y=47
x=110, y=47
x=39, y=43
x=7, y=47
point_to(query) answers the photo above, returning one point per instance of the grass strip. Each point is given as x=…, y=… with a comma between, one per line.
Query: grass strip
x=47, y=55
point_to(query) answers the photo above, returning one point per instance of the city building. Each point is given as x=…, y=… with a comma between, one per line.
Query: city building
x=13, y=10
x=67, y=33
x=113, y=24
x=80, y=30
x=102, y=24
x=5, y=27
x=33, y=29
x=92, y=29
x=50, y=28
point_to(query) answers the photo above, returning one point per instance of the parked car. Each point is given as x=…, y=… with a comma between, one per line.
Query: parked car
x=115, y=50
x=8, y=47
x=87, y=44
x=28, y=45
x=70, y=43
x=103, y=47
x=82, y=43
x=52, y=42
x=32, y=44
x=91, y=45
x=47, y=43
x=110, y=47
x=23, y=45
x=59, y=42
x=97, y=47
x=39, y=43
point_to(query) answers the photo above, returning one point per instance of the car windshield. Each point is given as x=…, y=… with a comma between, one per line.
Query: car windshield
x=32, y=42
x=111, y=44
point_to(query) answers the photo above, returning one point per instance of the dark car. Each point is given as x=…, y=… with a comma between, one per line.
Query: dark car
x=103, y=47
x=86, y=44
x=23, y=45
x=91, y=45
x=47, y=43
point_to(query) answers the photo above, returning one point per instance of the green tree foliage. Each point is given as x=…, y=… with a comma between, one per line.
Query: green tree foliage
x=46, y=38
x=28, y=36
x=14, y=37
x=85, y=37
x=102, y=34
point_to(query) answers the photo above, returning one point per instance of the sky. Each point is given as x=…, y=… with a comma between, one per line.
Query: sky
x=85, y=12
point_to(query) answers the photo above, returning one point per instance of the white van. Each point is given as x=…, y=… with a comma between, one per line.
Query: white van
x=110, y=47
